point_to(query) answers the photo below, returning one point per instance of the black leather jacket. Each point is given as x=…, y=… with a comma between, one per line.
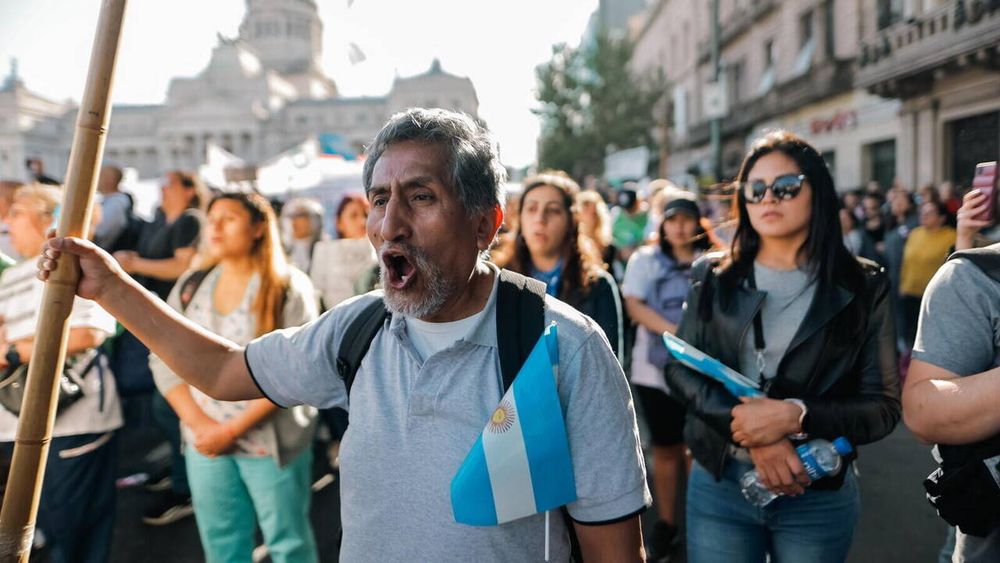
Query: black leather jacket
x=851, y=389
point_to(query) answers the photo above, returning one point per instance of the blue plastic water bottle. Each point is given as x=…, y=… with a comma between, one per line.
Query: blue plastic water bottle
x=819, y=457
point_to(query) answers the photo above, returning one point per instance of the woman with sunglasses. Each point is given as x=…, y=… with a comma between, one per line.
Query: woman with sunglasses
x=789, y=307
x=248, y=462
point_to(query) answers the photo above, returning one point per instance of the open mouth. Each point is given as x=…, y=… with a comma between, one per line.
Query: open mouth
x=400, y=269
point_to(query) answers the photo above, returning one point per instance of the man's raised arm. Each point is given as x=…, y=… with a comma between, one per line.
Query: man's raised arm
x=207, y=361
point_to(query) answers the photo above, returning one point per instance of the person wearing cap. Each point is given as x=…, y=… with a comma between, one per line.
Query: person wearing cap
x=656, y=281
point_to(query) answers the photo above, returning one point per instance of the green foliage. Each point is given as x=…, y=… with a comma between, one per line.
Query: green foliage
x=592, y=104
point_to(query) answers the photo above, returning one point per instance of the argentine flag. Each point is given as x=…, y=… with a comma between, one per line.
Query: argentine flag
x=520, y=465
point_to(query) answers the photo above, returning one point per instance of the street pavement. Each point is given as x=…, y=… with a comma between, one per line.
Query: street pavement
x=897, y=524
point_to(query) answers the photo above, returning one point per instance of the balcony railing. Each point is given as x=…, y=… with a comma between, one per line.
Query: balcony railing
x=901, y=60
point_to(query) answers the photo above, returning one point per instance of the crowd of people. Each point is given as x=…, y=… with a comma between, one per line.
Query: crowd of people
x=820, y=297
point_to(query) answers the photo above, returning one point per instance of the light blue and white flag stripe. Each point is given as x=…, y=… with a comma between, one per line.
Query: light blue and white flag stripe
x=521, y=464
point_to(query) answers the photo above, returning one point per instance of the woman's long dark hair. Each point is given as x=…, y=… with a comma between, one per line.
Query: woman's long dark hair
x=577, y=263
x=823, y=250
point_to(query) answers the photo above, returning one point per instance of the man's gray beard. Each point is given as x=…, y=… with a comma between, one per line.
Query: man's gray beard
x=417, y=305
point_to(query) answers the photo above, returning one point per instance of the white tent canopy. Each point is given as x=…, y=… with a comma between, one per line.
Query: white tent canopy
x=302, y=170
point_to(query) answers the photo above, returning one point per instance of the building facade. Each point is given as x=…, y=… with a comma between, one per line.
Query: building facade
x=821, y=69
x=941, y=60
x=260, y=94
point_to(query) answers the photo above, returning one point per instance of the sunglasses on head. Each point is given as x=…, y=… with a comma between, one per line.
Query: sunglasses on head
x=784, y=187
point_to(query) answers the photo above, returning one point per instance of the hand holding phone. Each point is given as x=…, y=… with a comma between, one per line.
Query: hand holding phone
x=985, y=182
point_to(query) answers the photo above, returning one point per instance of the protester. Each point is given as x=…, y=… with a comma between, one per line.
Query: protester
x=874, y=228
x=789, y=307
x=431, y=378
x=595, y=225
x=926, y=249
x=852, y=202
x=166, y=248
x=904, y=220
x=854, y=239
x=248, y=462
x=972, y=231
x=953, y=377
x=302, y=228
x=7, y=189
x=77, y=506
x=351, y=216
x=656, y=281
x=116, y=212
x=949, y=196
x=549, y=248
x=628, y=221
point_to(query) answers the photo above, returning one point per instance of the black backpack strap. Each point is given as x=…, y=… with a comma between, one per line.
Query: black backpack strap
x=520, y=314
x=191, y=285
x=358, y=338
x=986, y=259
x=520, y=323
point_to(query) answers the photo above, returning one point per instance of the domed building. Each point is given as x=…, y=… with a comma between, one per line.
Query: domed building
x=261, y=93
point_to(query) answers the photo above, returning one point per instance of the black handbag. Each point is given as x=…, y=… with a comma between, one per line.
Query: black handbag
x=14, y=380
x=964, y=490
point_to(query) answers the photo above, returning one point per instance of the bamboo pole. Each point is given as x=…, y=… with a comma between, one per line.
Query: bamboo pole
x=34, y=429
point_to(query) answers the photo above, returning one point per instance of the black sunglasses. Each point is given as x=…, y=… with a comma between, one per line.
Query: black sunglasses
x=784, y=187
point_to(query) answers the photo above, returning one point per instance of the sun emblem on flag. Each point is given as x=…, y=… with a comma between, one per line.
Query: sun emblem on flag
x=502, y=418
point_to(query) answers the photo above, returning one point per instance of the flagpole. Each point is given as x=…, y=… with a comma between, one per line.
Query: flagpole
x=34, y=429
x=547, y=534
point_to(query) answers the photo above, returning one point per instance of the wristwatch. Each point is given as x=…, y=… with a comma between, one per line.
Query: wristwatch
x=802, y=419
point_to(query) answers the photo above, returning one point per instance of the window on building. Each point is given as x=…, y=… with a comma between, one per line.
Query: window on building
x=805, y=28
x=972, y=140
x=829, y=28
x=888, y=12
x=882, y=156
x=807, y=46
x=767, y=77
x=735, y=81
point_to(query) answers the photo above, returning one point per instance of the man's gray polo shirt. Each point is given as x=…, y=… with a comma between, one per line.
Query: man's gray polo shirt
x=413, y=423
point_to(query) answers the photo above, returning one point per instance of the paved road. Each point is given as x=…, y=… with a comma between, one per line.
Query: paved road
x=897, y=524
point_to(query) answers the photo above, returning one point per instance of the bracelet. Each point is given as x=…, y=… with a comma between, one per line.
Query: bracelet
x=801, y=435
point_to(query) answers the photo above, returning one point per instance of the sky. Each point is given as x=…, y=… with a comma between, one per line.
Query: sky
x=496, y=44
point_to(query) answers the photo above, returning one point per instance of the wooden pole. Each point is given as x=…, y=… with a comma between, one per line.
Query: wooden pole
x=34, y=429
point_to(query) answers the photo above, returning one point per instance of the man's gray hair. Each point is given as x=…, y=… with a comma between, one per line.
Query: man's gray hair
x=477, y=175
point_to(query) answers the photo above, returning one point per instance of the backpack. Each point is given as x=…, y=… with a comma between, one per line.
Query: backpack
x=963, y=488
x=523, y=301
x=666, y=296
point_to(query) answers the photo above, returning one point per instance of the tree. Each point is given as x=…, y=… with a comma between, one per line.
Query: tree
x=592, y=104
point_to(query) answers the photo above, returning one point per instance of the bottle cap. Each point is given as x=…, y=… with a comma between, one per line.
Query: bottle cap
x=842, y=446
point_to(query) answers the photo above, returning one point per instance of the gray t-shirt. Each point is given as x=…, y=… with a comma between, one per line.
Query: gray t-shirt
x=789, y=295
x=959, y=330
x=959, y=327
x=413, y=422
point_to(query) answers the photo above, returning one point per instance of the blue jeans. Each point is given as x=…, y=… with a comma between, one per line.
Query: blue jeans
x=232, y=493
x=167, y=420
x=722, y=527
